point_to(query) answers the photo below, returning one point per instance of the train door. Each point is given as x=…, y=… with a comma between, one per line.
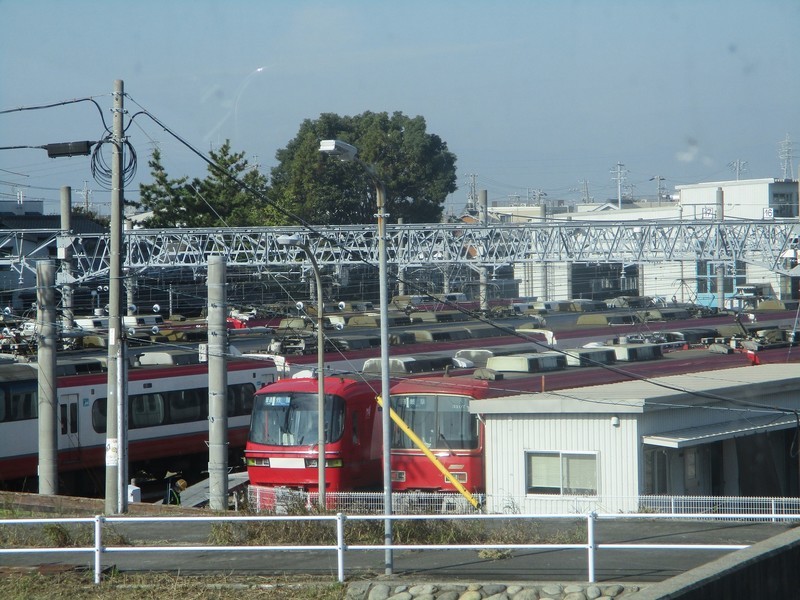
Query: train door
x=68, y=438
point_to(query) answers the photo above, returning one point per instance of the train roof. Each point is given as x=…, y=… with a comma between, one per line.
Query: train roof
x=333, y=385
x=17, y=372
x=456, y=386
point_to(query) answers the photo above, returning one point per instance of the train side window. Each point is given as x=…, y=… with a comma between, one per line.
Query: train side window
x=355, y=428
x=99, y=415
x=248, y=392
x=63, y=419
x=232, y=397
x=73, y=417
x=2, y=405
x=146, y=410
x=22, y=405
x=184, y=406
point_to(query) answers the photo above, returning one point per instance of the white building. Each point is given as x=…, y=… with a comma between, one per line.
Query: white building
x=694, y=281
x=601, y=447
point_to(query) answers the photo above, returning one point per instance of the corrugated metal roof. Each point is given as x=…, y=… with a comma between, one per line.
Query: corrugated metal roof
x=694, y=436
x=638, y=396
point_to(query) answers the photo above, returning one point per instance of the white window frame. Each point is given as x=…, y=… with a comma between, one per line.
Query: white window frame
x=561, y=456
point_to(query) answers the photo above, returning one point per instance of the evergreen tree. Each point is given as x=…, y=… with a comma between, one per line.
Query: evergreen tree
x=216, y=201
x=417, y=169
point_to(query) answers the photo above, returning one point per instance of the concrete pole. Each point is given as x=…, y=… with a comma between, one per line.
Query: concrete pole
x=47, y=399
x=130, y=284
x=217, y=385
x=116, y=500
x=65, y=254
x=640, y=280
x=483, y=293
x=386, y=420
x=545, y=282
x=321, y=485
x=401, y=271
x=720, y=200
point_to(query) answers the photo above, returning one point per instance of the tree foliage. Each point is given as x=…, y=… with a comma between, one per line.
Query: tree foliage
x=416, y=168
x=216, y=201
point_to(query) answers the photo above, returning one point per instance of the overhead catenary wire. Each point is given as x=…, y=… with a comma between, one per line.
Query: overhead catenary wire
x=102, y=173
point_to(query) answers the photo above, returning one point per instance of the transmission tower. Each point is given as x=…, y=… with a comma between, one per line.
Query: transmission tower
x=585, y=197
x=472, y=194
x=618, y=174
x=738, y=167
x=86, y=192
x=787, y=159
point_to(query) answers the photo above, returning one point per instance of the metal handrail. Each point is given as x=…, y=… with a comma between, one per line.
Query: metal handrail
x=591, y=546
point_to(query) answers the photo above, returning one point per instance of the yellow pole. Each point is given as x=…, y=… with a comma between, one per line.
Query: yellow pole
x=421, y=445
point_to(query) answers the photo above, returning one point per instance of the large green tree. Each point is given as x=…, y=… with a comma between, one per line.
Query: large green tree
x=216, y=201
x=417, y=169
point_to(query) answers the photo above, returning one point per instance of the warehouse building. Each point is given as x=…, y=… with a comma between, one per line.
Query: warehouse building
x=724, y=433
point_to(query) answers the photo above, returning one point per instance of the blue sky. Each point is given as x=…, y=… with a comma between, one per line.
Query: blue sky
x=529, y=95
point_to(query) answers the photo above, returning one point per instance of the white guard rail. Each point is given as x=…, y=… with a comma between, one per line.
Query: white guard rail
x=98, y=550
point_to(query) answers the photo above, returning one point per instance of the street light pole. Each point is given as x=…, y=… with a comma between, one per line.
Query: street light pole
x=348, y=153
x=293, y=240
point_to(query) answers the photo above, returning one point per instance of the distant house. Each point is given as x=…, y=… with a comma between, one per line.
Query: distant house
x=602, y=447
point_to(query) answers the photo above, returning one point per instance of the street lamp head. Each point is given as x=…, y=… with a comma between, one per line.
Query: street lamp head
x=344, y=151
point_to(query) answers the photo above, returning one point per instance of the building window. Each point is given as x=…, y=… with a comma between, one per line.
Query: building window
x=561, y=473
x=783, y=205
x=707, y=276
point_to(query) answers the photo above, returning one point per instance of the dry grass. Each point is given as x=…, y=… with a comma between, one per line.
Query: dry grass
x=73, y=585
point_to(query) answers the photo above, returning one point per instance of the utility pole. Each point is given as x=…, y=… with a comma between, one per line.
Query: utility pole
x=116, y=500
x=65, y=254
x=217, y=385
x=47, y=391
x=738, y=167
x=660, y=188
x=618, y=174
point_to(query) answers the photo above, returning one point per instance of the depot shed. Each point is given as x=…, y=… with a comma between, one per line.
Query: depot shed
x=716, y=433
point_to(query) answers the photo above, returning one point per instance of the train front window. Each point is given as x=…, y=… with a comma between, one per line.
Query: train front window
x=441, y=422
x=290, y=419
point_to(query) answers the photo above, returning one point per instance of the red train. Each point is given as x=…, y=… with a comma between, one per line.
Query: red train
x=282, y=447
x=436, y=409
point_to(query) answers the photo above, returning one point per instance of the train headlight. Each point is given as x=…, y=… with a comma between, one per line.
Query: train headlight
x=459, y=476
x=257, y=462
x=311, y=463
x=398, y=475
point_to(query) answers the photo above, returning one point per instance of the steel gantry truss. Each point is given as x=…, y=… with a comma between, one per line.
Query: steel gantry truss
x=770, y=244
